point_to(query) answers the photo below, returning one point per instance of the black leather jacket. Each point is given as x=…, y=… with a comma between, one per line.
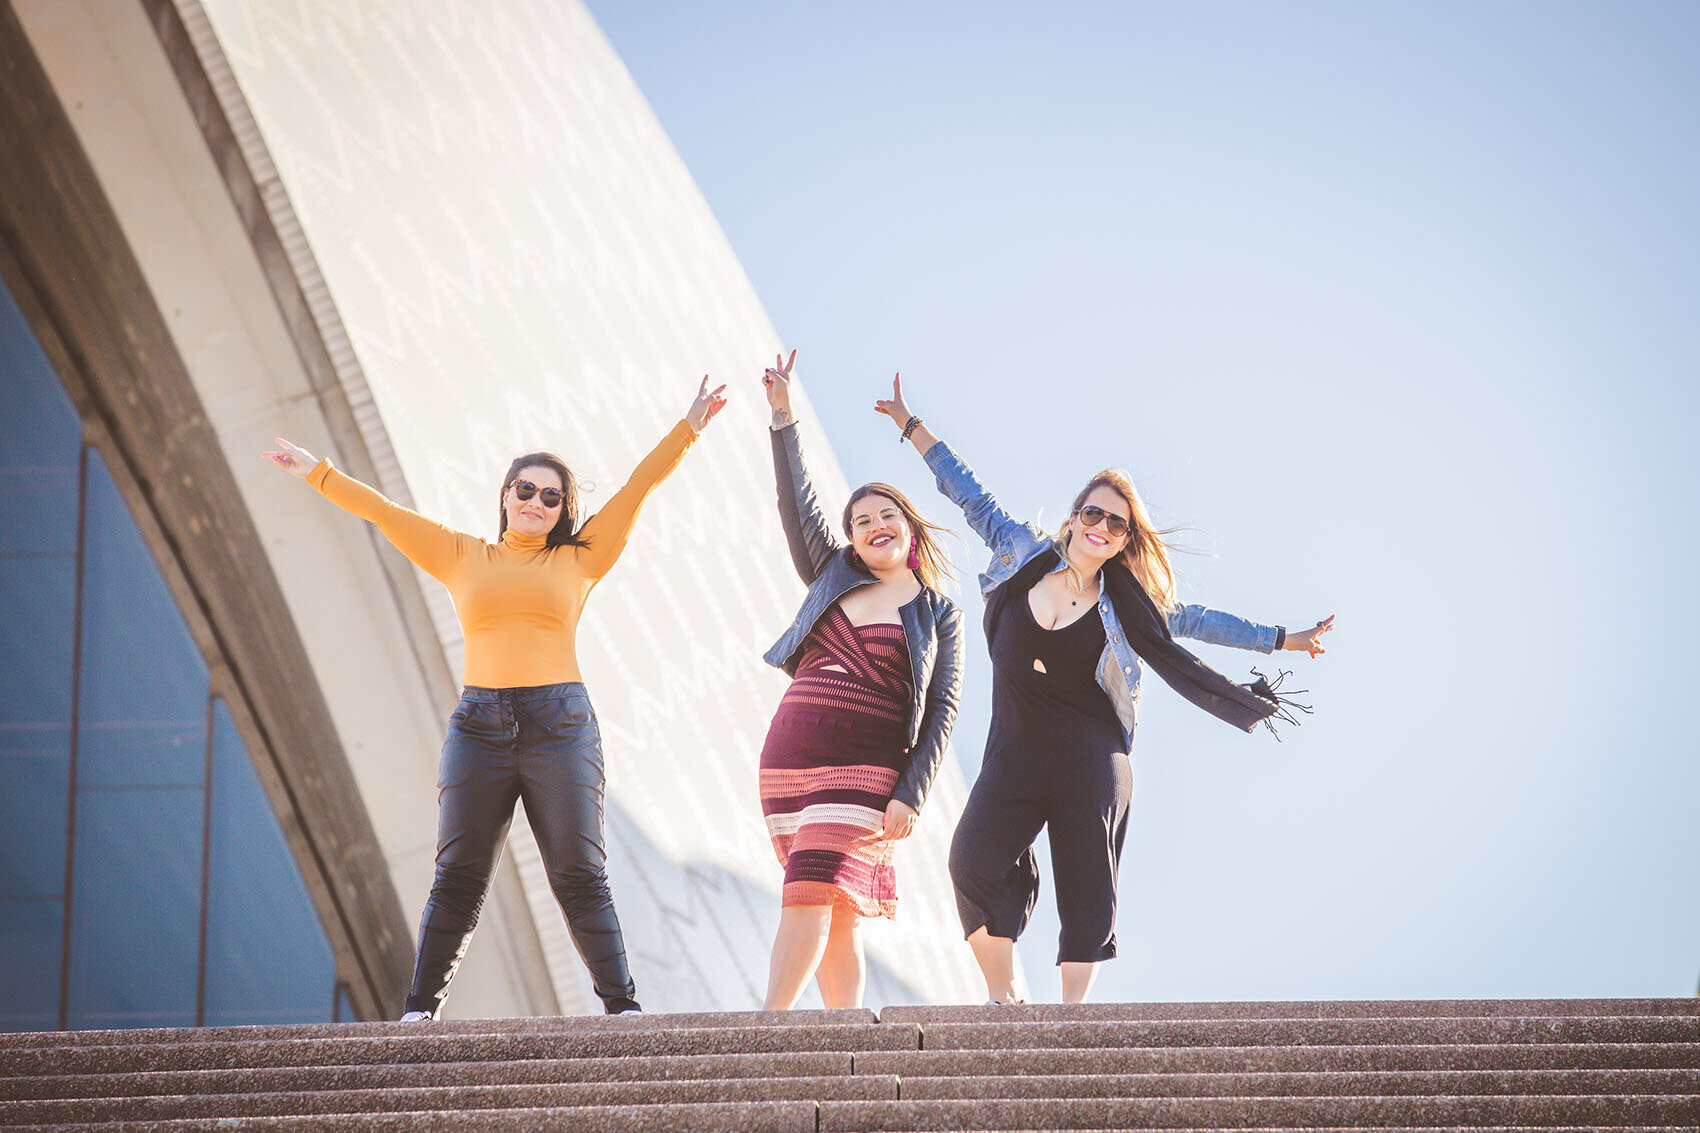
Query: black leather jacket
x=932, y=623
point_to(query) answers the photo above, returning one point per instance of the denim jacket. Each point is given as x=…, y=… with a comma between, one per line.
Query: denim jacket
x=1015, y=544
x=932, y=623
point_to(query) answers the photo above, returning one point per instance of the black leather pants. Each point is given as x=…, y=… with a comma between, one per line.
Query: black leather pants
x=541, y=745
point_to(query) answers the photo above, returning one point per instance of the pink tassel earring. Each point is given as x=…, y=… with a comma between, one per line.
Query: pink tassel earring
x=914, y=562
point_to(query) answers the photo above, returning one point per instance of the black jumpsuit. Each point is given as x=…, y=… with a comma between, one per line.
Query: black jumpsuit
x=1054, y=756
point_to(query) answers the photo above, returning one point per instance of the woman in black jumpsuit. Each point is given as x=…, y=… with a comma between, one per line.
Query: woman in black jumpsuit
x=1065, y=690
x=1054, y=757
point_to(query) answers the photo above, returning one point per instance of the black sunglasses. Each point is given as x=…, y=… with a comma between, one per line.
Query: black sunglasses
x=525, y=489
x=1091, y=515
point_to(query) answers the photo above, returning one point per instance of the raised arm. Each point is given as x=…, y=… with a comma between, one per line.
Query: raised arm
x=608, y=531
x=429, y=545
x=808, y=534
x=1002, y=532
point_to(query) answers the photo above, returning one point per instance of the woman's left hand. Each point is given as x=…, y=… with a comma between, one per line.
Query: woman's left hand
x=1310, y=640
x=707, y=404
x=899, y=820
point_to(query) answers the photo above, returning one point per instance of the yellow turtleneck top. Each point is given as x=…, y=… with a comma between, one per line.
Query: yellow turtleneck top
x=518, y=601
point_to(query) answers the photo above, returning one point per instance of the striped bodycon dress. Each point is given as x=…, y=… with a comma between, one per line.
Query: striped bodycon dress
x=833, y=755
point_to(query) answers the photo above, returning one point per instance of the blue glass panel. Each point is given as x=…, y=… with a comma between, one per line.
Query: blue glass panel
x=37, y=628
x=136, y=908
x=267, y=957
x=39, y=447
x=142, y=716
x=38, y=598
x=33, y=806
x=30, y=936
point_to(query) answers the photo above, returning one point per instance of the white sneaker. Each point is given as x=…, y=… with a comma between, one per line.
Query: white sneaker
x=416, y=1017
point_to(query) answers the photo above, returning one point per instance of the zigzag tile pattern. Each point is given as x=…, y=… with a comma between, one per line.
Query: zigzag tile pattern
x=521, y=261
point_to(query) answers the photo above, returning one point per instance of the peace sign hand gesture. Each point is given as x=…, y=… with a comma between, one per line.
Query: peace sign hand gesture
x=707, y=404
x=777, y=379
x=293, y=459
x=895, y=407
x=1310, y=640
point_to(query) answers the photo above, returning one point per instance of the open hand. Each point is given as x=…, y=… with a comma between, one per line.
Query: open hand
x=1310, y=640
x=895, y=407
x=777, y=379
x=899, y=820
x=293, y=459
x=708, y=403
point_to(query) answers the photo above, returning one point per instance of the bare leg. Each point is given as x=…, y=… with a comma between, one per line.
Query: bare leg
x=1077, y=980
x=797, y=951
x=996, y=957
x=843, y=970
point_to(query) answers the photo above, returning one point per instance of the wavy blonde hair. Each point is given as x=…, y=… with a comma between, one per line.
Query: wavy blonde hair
x=1146, y=553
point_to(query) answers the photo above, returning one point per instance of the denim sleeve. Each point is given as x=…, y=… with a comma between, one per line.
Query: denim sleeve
x=1007, y=536
x=1214, y=627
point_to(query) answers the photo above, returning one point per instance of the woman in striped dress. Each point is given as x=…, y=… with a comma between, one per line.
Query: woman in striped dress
x=875, y=656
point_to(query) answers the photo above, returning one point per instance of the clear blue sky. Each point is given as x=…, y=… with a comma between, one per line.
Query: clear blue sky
x=1394, y=306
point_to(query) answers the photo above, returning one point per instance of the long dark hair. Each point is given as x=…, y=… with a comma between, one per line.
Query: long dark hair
x=935, y=565
x=565, y=532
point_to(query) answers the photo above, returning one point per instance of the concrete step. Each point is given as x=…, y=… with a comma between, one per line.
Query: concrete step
x=1237, y=1059
x=421, y=1046
x=539, y=1071
x=701, y=1117
x=1296, y=1009
x=1239, y=1113
x=1424, y=1083
x=1314, y=1032
x=1457, y=1064
x=530, y=1025
x=469, y=1096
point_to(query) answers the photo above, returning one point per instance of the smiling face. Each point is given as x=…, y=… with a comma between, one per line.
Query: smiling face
x=879, y=532
x=532, y=518
x=1095, y=545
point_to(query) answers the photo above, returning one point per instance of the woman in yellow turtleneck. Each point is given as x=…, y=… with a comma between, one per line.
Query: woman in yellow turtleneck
x=524, y=728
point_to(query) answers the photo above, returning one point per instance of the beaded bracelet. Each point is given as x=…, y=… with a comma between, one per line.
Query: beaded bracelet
x=909, y=427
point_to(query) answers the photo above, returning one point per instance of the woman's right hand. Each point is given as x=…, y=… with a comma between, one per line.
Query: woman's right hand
x=293, y=459
x=895, y=407
x=777, y=380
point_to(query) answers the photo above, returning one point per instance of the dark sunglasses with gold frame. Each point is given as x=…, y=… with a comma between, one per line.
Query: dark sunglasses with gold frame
x=1091, y=515
x=550, y=498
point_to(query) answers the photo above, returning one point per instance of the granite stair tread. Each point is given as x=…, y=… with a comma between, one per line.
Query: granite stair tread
x=1314, y=1032
x=1229, y=1113
x=536, y=1024
x=467, y=1096
x=1617, y=1064
x=701, y=1117
x=425, y=1047
x=1290, y=1009
x=1229, y=1059
x=1452, y=1083
x=536, y=1071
